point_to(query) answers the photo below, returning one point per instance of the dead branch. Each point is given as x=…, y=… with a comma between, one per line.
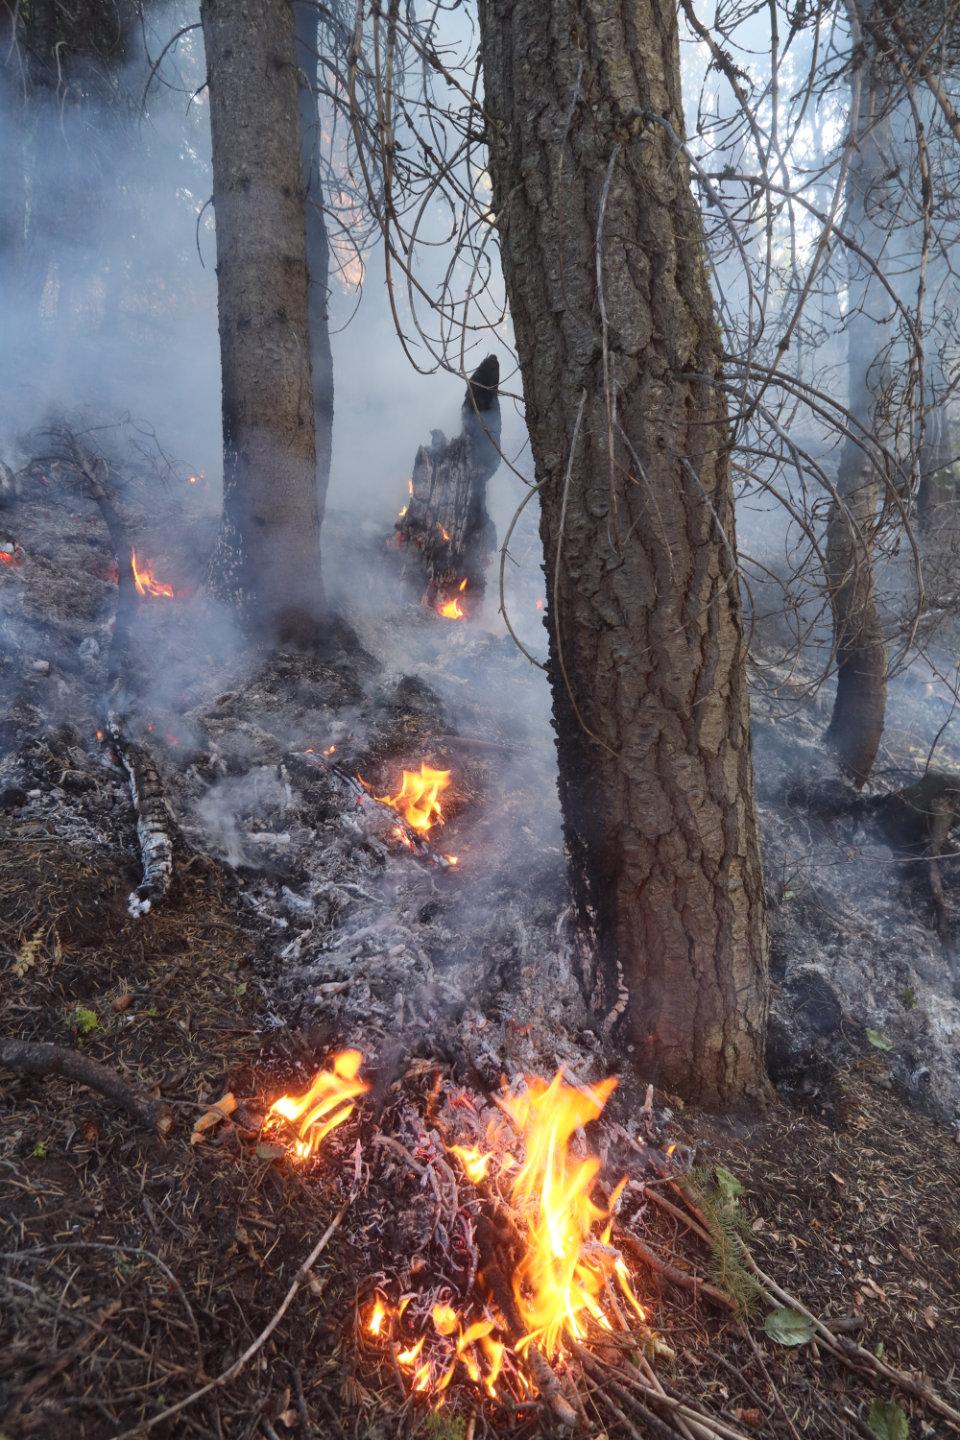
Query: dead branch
x=37, y=1058
x=693, y=1283
x=155, y=826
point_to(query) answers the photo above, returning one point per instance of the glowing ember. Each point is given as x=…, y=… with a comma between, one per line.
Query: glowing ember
x=452, y=609
x=327, y=1104
x=539, y=604
x=11, y=555
x=560, y=1281
x=418, y=797
x=146, y=582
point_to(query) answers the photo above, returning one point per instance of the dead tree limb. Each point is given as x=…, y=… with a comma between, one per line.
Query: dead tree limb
x=445, y=535
x=155, y=825
x=32, y=1057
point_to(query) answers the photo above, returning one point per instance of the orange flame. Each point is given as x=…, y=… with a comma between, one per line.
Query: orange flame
x=561, y=1278
x=327, y=1104
x=475, y=1162
x=452, y=609
x=143, y=579
x=418, y=797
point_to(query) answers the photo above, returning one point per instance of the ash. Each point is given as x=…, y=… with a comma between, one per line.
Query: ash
x=358, y=940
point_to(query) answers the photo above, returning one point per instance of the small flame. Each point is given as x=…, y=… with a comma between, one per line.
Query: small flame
x=11, y=557
x=330, y=750
x=145, y=581
x=443, y=531
x=377, y=1316
x=452, y=609
x=327, y=1104
x=418, y=797
x=475, y=1162
x=539, y=604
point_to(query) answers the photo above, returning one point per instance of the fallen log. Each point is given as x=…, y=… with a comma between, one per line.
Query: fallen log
x=36, y=1058
x=444, y=533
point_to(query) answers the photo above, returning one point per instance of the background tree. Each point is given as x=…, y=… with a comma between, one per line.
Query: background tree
x=268, y=559
x=307, y=21
x=620, y=356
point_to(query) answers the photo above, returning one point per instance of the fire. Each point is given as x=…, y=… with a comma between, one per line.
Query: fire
x=569, y=1276
x=560, y=1281
x=327, y=1104
x=418, y=797
x=146, y=583
x=452, y=609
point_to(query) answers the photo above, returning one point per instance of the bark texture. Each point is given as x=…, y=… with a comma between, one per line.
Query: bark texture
x=856, y=725
x=307, y=18
x=268, y=559
x=936, y=497
x=620, y=357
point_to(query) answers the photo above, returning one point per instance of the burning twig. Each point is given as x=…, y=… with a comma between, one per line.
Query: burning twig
x=155, y=825
x=410, y=837
x=26, y=1057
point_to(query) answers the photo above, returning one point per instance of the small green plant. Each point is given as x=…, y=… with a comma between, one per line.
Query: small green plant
x=908, y=998
x=84, y=1020
x=445, y=1427
x=39, y=1150
x=716, y=1192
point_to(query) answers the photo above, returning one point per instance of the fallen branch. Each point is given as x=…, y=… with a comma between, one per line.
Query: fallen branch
x=155, y=826
x=255, y=1346
x=854, y=1356
x=550, y=1389
x=693, y=1283
x=30, y=1057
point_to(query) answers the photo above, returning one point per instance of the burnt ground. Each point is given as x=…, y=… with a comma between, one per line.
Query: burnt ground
x=137, y=1267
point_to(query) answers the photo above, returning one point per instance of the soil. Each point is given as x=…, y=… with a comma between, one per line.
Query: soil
x=136, y=1267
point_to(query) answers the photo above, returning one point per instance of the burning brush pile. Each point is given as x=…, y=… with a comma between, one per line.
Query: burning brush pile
x=501, y=1269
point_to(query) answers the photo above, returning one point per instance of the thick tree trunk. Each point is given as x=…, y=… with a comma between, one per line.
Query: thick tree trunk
x=628, y=429
x=13, y=193
x=446, y=537
x=858, y=712
x=268, y=559
x=307, y=19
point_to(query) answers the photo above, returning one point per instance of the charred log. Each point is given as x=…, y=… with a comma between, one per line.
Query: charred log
x=916, y=821
x=445, y=534
x=155, y=825
x=34, y=1058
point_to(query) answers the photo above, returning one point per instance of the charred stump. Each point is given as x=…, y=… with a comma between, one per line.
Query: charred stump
x=445, y=536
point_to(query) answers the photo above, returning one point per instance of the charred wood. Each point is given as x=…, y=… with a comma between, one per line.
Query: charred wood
x=155, y=826
x=34, y=1058
x=446, y=537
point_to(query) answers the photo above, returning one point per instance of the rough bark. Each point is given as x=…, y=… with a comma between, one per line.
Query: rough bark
x=446, y=536
x=307, y=19
x=268, y=559
x=13, y=193
x=936, y=495
x=861, y=653
x=629, y=436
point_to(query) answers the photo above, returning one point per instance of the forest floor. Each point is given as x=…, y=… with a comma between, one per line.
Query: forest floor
x=135, y=1268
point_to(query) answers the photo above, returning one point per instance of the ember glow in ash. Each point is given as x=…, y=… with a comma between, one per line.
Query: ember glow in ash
x=146, y=582
x=327, y=1104
x=452, y=609
x=418, y=799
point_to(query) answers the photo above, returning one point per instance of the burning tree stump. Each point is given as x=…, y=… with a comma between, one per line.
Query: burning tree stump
x=444, y=533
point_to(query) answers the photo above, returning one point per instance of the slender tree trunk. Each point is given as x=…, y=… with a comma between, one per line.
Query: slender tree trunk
x=268, y=560
x=307, y=19
x=858, y=713
x=628, y=428
x=936, y=460
x=13, y=194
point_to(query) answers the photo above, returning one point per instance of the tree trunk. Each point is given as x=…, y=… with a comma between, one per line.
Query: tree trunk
x=268, y=559
x=307, y=20
x=936, y=492
x=858, y=712
x=446, y=537
x=629, y=436
x=13, y=193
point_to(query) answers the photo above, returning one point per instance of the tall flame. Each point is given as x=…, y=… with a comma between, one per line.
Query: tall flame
x=327, y=1104
x=562, y=1275
x=418, y=797
x=145, y=582
x=452, y=609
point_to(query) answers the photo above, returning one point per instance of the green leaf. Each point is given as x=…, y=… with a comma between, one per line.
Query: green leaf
x=728, y=1184
x=878, y=1041
x=84, y=1021
x=789, y=1327
x=887, y=1421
